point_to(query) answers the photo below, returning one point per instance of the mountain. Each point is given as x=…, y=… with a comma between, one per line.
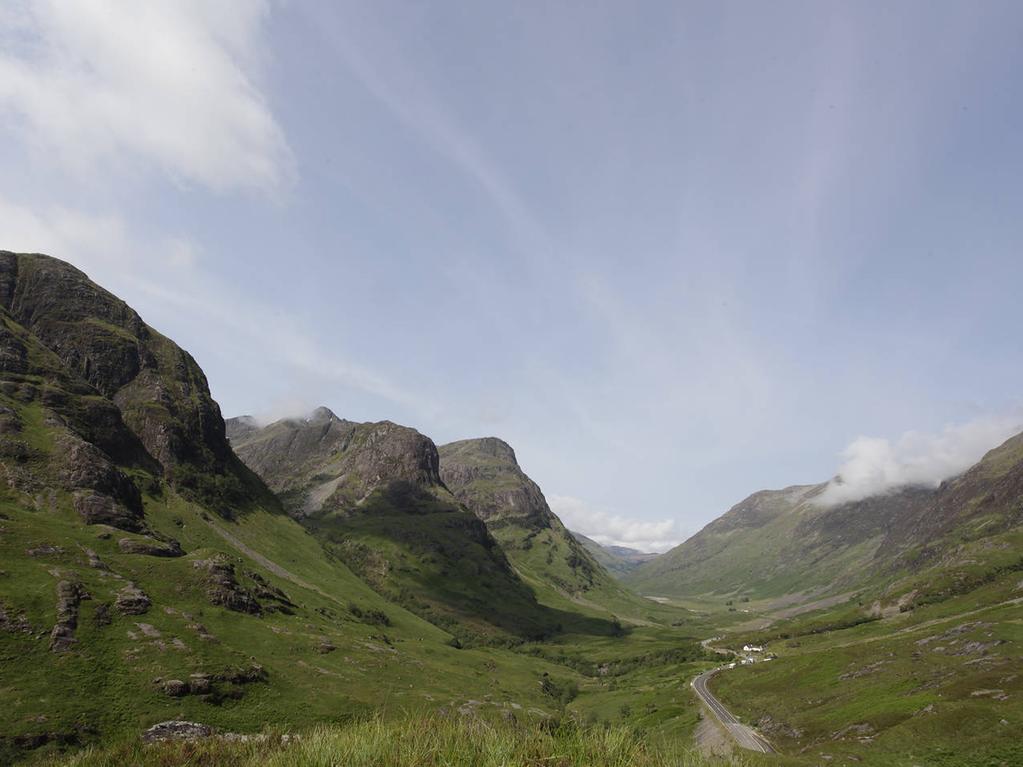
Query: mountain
x=617, y=560
x=787, y=544
x=146, y=574
x=485, y=475
x=373, y=493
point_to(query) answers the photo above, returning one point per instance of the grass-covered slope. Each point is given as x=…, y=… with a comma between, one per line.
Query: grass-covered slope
x=372, y=493
x=132, y=587
x=779, y=544
x=934, y=685
x=785, y=544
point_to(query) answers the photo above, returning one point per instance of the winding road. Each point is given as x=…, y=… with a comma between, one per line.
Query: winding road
x=745, y=736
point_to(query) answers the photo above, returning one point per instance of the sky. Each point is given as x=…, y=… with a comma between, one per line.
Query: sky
x=673, y=253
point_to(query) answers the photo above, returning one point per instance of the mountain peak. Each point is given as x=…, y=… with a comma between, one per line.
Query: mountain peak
x=322, y=413
x=490, y=447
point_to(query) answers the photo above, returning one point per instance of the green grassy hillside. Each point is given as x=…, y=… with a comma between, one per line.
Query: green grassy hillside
x=935, y=685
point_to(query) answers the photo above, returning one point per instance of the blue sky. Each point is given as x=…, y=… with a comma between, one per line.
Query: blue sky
x=673, y=253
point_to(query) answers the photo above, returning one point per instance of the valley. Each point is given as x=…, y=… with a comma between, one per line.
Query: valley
x=325, y=579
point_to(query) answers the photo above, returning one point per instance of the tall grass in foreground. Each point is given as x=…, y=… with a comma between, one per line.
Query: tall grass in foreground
x=413, y=742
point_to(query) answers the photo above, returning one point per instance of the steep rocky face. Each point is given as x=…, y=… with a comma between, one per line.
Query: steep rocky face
x=117, y=385
x=372, y=492
x=485, y=476
x=324, y=464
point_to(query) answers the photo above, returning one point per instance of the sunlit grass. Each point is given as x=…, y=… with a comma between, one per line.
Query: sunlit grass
x=412, y=742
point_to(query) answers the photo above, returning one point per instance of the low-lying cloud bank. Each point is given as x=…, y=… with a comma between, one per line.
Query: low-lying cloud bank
x=874, y=465
x=612, y=529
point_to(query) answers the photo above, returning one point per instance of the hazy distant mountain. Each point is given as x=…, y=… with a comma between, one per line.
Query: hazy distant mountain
x=783, y=542
x=617, y=560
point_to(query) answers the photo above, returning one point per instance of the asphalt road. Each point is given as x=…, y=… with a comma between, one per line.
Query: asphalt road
x=745, y=736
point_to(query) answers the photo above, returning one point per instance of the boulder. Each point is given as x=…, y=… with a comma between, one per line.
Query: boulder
x=176, y=730
x=150, y=547
x=131, y=600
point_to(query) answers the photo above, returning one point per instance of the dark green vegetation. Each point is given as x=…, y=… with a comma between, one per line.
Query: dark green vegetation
x=617, y=560
x=146, y=574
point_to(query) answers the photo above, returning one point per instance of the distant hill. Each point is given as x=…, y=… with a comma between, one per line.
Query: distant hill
x=784, y=543
x=617, y=560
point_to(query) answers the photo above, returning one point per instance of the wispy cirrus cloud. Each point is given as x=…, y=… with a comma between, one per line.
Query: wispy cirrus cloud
x=168, y=84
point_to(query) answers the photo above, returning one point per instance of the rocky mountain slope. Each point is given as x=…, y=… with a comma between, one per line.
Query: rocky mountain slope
x=373, y=493
x=617, y=560
x=147, y=575
x=787, y=544
x=485, y=476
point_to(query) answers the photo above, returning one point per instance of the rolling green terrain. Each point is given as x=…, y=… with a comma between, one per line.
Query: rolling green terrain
x=935, y=685
x=147, y=575
x=380, y=601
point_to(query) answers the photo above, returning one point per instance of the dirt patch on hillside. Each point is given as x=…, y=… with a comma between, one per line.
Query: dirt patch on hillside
x=711, y=738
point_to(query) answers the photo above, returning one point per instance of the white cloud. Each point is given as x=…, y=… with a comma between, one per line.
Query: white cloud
x=875, y=465
x=96, y=83
x=612, y=529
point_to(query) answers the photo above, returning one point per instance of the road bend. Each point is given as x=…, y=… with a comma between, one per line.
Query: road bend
x=745, y=736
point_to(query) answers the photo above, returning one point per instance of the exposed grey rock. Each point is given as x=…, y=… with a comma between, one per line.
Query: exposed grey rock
x=175, y=688
x=131, y=600
x=96, y=509
x=200, y=684
x=176, y=730
x=223, y=589
x=69, y=596
x=15, y=624
x=45, y=550
x=150, y=547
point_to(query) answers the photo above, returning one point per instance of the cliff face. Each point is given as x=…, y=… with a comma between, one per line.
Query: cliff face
x=115, y=383
x=485, y=476
x=324, y=464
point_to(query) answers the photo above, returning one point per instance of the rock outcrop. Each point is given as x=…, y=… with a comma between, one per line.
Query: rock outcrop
x=485, y=476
